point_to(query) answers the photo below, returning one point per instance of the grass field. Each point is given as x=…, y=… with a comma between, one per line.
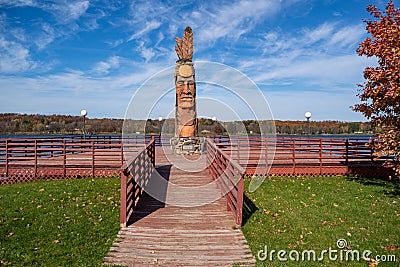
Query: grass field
x=73, y=222
x=298, y=213
x=58, y=223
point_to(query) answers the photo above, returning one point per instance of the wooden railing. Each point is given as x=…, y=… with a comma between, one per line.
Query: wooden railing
x=135, y=175
x=55, y=158
x=229, y=176
x=300, y=156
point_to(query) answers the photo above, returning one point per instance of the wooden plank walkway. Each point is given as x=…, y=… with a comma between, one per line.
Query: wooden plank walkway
x=181, y=232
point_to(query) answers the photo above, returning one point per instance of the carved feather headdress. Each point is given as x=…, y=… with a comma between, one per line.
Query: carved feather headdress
x=184, y=46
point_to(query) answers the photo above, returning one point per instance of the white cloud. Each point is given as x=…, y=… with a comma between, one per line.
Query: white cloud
x=322, y=32
x=232, y=20
x=146, y=53
x=115, y=43
x=150, y=26
x=324, y=55
x=18, y=44
x=323, y=105
x=271, y=44
x=104, y=67
x=82, y=83
x=160, y=38
x=66, y=12
x=67, y=92
x=45, y=37
x=144, y=10
x=15, y=57
x=347, y=36
x=333, y=36
x=77, y=9
x=210, y=22
x=322, y=70
x=172, y=29
x=16, y=3
x=19, y=34
x=325, y=38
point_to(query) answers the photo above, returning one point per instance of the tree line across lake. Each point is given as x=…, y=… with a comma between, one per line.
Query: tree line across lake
x=12, y=123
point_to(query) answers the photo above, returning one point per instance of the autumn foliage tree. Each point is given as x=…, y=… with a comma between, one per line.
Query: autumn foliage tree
x=380, y=94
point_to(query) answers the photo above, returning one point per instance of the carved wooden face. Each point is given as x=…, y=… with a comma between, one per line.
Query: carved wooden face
x=185, y=87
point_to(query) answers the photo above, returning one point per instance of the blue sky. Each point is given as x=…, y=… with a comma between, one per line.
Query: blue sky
x=57, y=57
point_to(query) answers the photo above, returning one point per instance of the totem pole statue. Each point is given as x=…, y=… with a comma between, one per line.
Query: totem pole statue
x=186, y=139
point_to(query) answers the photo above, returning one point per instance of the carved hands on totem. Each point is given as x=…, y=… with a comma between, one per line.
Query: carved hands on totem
x=187, y=128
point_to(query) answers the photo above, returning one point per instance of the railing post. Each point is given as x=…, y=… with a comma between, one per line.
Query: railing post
x=211, y=154
x=7, y=157
x=372, y=156
x=206, y=151
x=93, y=162
x=36, y=161
x=153, y=153
x=51, y=146
x=239, y=204
x=122, y=151
x=356, y=148
x=238, y=150
x=123, y=193
x=64, y=158
x=266, y=154
x=320, y=156
x=293, y=156
x=347, y=156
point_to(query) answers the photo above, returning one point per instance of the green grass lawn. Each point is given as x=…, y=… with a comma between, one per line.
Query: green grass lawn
x=58, y=223
x=303, y=213
x=73, y=222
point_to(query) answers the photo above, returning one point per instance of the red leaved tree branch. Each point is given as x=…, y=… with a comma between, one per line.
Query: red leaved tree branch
x=380, y=94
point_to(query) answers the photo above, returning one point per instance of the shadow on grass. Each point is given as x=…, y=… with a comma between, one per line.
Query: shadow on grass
x=389, y=188
x=248, y=208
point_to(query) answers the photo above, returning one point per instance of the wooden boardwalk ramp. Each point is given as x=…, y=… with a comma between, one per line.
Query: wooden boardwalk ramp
x=182, y=232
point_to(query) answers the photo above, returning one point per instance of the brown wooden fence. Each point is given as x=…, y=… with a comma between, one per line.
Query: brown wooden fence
x=304, y=156
x=229, y=176
x=27, y=159
x=135, y=175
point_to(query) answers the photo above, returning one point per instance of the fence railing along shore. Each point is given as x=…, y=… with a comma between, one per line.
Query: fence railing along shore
x=26, y=159
x=288, y=156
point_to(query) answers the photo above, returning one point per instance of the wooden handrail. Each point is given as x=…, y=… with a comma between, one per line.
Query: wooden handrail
x=31, y=159
x=304, y=156
x=92, y=154
x=229, y=176
x=135, y=175
x=296, y=149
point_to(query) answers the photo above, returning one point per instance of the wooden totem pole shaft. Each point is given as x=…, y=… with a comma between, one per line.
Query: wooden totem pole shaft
x=185, y=107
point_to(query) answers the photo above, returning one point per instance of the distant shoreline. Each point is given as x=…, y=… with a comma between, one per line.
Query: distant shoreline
x=23, y=124
x=36, y=135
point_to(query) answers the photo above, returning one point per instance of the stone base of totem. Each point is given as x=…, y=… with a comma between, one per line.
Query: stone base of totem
x=188, y=146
